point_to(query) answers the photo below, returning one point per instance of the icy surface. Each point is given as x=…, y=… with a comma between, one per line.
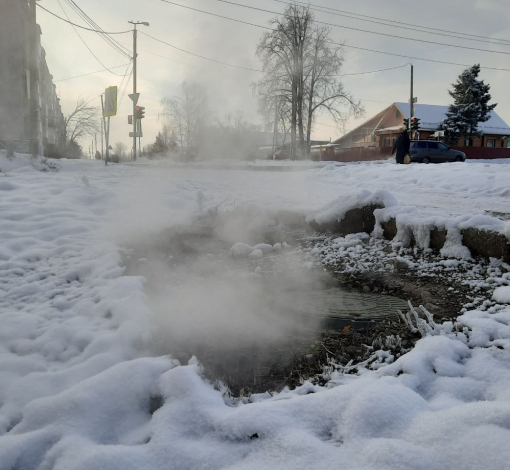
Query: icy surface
x=76, y=367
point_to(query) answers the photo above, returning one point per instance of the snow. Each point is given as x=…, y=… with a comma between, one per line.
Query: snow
x=77, y=371
x=432, y=115
x=502, y=295
x=336, y=210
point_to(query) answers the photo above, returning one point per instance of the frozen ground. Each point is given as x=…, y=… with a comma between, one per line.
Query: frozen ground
x=77, y=371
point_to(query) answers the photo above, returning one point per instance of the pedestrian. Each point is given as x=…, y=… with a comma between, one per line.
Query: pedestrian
x=402, y=145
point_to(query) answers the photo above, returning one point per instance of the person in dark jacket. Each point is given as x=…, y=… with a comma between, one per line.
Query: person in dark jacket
x=402, y=145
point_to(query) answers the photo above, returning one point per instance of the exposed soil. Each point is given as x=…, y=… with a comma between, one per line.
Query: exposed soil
x=257, y=368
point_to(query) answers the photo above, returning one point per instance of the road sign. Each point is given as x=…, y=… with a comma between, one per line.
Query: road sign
x=134, y=97
x=415, y=100
x=110, y=107
x=138, y=134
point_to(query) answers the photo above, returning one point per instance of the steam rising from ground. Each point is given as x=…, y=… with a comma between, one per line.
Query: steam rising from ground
x=229, y=311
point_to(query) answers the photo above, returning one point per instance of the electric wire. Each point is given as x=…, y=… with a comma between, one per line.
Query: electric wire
x=103, y=35
x=250, y=69
x=344, y=45
x=89, y=73
x=79, y=26
x=86, y=45
x=399, y=24
x=363, y=30
x=200, y=56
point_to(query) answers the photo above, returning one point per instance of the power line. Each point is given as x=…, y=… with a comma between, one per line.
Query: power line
x=365, y=30
x=77, y=25
x=246, y=68
x=195, y=66
x=89, y=73
x=104, y=36
x=373, y=71
x=200, y=56
x=340, y=44
x=400, y=25
x=86, y=45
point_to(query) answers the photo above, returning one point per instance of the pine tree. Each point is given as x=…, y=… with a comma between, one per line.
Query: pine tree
x=159, y=146
x=471, y=106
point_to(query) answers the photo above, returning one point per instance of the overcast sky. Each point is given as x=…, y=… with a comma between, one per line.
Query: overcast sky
x=230, y=88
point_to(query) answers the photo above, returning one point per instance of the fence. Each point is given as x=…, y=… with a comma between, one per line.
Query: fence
x=15, y=146
x=383, y=153
x=359, y=154
x=484, y=153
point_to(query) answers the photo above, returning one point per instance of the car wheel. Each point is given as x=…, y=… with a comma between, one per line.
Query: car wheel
x=426, y=160
x=459, y=159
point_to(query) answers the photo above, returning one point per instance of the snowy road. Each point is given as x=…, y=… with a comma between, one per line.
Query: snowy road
x=76, y=366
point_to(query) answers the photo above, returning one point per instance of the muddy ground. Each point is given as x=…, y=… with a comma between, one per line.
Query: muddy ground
x=260, y=367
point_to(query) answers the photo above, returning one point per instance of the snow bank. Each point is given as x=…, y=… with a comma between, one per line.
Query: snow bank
x=336, y=210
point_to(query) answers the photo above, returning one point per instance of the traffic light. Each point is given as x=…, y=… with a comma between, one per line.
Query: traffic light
x=415, y=124
x=130, y=119
x=139, y=112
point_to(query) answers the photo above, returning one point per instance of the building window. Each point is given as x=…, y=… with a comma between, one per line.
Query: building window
x=491, y=143
x=399, y=115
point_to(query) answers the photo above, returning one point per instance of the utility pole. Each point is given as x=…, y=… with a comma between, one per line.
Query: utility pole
x=411, y=102
x=134, y=88
x=102, y=145
x=135, y=96
x=106, y=133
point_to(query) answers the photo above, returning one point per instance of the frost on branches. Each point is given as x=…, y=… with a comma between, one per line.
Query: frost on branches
x=471, y=106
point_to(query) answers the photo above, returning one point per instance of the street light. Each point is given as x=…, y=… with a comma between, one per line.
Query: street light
x=134, y=97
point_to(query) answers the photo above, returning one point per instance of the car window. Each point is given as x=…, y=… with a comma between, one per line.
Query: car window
x=421, y=145
x=433, y=145
x=442, y=146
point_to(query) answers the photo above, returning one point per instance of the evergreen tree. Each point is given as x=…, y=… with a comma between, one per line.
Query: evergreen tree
x=471, y=106
x=159, y=144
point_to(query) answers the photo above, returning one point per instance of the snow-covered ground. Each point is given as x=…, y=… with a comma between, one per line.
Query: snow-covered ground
x=77, y=365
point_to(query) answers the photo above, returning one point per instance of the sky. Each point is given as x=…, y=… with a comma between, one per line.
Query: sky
x=162, y=69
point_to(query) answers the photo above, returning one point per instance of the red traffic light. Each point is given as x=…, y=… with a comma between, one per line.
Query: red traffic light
x=139, y=112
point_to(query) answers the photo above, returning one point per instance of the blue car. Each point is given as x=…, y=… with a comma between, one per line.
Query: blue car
x=429, y=151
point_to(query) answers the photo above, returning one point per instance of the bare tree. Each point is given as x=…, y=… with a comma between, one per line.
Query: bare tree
x=82, y=121
x=283, y=54
x=186, y=114
x=120, y=149
x=302, y=67
x=324, y=90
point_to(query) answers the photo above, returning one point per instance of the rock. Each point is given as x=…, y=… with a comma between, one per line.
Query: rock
x=389, y=229
x=437, y=238
x=486, y=243
x=366, y=289
x=354, y=221
x=425, y=296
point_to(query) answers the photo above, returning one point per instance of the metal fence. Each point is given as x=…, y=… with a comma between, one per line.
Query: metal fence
x=15, y=146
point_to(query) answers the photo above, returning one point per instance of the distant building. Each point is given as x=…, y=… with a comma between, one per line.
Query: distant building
x=17, y=25
x=382, y=129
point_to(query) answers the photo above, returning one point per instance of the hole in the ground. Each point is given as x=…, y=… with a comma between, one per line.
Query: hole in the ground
x=256, y=321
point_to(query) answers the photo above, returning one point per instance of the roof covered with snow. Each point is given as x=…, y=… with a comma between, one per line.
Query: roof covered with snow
x=431, y=115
